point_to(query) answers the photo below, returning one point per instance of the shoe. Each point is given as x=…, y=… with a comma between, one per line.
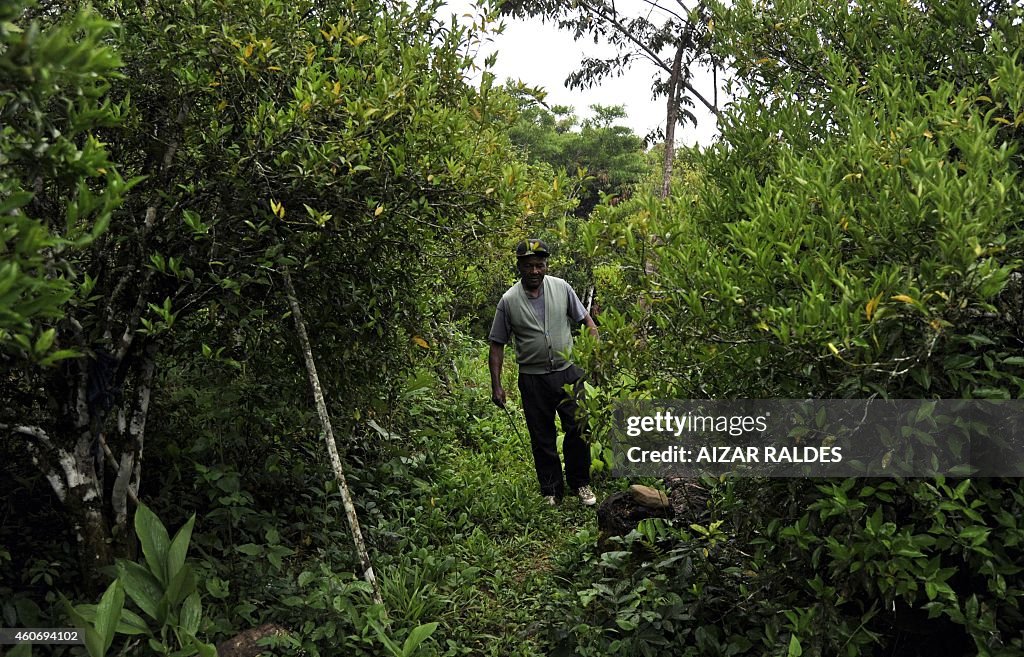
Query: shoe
x=550, y=500
x=587, y=497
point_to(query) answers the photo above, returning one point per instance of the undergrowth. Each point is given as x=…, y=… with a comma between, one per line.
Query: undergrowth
x=456, y=528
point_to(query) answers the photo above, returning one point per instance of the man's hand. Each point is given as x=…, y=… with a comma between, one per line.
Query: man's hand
x=494, y=361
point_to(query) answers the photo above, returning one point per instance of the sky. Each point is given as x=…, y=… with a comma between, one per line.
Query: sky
x=541, y=55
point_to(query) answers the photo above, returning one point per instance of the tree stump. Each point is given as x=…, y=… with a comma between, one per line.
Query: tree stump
x=689, y=501
x=621, y=512
x=244, y=644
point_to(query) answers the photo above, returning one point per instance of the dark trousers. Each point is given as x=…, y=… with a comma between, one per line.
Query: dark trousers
x=543, y=396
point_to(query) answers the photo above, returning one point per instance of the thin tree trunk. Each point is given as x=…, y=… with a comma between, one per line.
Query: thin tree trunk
x=671, y=118
x=127, y=468
x=332, y=448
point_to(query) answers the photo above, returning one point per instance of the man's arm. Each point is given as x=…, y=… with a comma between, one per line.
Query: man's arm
x=588, y=321
x=494, y=362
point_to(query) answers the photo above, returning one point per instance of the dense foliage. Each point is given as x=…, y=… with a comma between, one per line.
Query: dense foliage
x=854, y=233
x=608, y=157
x=337, y=140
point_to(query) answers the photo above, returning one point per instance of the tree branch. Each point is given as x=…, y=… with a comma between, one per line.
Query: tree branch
x=652, y=55
x=664, y=9
x=133, y=319
x=56, y=483
x=119, y=469
x=50, y=473
x=332, y=448
x=35, y=432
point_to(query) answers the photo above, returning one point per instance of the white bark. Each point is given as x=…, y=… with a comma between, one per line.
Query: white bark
x=80, y=468
x=35, y=432
x=332, y=448
x=51, y=474
x=77, y=466
x=55, y=483
x=133, y=432
x=137, y=427
x=136, y=480
x=122, y=490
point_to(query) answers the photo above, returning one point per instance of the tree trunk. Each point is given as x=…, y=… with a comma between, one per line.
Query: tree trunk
x=74, y=477
x=671, y=118
x=98, y=404
x=332, y=448
x=74, y=455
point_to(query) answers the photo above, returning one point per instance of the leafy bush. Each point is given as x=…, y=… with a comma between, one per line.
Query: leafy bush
x=854, y=233
x=163, y=588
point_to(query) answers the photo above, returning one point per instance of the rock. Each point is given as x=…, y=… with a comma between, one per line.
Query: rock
x=244, y=644
x=652, y=498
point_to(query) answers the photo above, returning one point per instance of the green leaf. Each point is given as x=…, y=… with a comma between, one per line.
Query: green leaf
x=60, y=354
x=108, y=613
x=386, y=640
x=45, y=341
x=217, y=587
x=179, y=547
x=419, y=634
x=960, y=362
x=183, y=584
x=204, y=649
x=990, y=393
x=142, y=588
x=191, y=613
x=155, y=543
x=250, y=549
x=975, y=534
x=20, y=650
x=94, y=642
x=131, y=623
x=794, y=647
x=14, y=200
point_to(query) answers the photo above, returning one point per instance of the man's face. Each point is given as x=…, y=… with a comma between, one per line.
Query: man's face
x=532, y=269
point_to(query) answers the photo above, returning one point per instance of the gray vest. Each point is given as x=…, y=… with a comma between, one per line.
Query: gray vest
x=541, y=349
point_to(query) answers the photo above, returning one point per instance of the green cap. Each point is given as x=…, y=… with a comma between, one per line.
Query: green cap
x=532, y=247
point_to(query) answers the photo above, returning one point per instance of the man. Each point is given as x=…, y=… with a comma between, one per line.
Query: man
x=539, y=313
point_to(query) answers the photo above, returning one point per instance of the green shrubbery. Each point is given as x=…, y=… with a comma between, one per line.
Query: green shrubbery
x=855, y=233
